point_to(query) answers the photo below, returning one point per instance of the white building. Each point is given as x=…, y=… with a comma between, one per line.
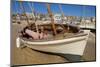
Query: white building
x=58, y=18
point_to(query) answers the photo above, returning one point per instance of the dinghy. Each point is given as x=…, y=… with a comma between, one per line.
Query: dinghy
x=69, y=44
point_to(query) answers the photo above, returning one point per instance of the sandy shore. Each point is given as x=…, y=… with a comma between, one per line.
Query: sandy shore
x=28, y=56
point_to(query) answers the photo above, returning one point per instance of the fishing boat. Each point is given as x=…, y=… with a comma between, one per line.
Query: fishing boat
x=72, y=41
x=70, y=45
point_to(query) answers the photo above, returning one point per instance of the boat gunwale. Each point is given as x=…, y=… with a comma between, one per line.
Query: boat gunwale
x=53, y=41
x=45, y=40
x=54, y=44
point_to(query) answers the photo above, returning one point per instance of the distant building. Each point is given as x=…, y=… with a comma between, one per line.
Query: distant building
x=93, y=19
x=30, y=16
x=58, y=18
x=18, y=17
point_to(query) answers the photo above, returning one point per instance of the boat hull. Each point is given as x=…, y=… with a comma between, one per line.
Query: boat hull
x=74, y=45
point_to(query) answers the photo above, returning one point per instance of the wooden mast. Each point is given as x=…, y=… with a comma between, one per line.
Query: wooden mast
x=22, y=7
x=33, y=16
x=52, y=19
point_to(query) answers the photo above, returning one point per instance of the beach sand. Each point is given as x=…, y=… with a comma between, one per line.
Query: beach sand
x=26, y=55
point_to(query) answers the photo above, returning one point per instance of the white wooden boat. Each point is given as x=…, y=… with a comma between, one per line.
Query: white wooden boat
x=69, y=45
x=72, y=45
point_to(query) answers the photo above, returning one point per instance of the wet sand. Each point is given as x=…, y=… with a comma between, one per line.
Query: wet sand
x=26, y=55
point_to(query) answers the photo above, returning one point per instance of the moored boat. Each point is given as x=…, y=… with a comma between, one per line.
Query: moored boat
x=64, y=38
x=69, y=45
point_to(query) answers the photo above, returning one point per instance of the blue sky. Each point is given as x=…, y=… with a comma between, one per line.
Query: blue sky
x=68, y=9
